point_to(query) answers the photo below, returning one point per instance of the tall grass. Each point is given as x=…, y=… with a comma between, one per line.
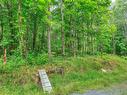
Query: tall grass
x=18, y=76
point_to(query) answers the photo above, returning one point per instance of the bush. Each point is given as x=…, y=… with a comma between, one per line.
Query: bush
x=13, y=62
x=37, y=59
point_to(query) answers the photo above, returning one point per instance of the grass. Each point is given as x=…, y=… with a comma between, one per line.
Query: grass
x=80, y=74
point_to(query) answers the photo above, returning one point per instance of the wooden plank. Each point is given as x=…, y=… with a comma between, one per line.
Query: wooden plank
x=45, y=81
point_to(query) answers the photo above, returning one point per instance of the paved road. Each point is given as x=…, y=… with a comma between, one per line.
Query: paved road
x=115, y=90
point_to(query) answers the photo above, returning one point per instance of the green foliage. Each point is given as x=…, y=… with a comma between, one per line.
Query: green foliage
x=13, y=62
x=120, y=18
x=83, y=26
x=36, y=59
x=78, y=27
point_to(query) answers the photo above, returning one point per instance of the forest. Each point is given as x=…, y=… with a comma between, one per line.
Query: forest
x=84, y=39
x=63, y=27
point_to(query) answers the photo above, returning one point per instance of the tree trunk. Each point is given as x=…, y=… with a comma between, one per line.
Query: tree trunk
x=62, y=29
x=49, y=35
x=21, y=40
x=35, y=31
x=1, y=30
x=10, y=18
x=113, y=44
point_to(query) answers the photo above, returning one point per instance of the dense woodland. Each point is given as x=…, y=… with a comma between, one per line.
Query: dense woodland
x=80, y=44
x=63, y=27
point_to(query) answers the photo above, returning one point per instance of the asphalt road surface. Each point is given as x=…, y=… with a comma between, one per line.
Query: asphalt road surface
x=115, y=90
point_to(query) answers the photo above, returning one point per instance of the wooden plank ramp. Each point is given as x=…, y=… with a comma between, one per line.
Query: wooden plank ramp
x=45, y=81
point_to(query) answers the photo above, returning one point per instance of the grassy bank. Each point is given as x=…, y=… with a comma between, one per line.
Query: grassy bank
x=80, y=74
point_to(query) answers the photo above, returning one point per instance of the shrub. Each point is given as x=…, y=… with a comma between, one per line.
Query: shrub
x=37, y=59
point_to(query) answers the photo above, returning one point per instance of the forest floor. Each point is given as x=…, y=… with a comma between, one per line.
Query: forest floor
x=81, y=74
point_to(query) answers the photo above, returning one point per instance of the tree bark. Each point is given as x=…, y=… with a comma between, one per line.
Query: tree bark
x=21, y=40
x=113, y=44
x=10, y=18
x=1, y=30
x=62, y=29
x=35, y=32
x=49, y=34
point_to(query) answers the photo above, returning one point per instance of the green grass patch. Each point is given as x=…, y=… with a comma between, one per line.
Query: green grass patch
x=80, y=74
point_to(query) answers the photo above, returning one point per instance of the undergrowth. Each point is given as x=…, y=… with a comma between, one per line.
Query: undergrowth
x=18, y=76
